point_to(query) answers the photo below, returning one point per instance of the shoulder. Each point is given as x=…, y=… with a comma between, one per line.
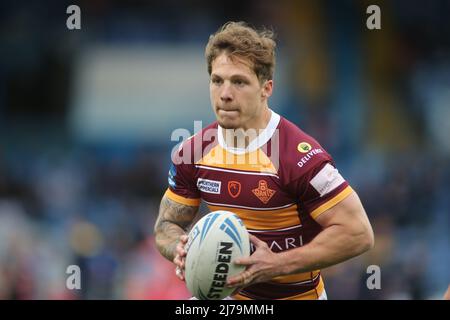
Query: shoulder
x=190, y=150
x=299, y=151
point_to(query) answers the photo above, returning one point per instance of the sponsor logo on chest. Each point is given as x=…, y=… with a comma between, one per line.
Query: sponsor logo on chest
x=209, y=186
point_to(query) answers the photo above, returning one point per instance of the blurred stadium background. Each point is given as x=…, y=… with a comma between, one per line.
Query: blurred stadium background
x=86, y=118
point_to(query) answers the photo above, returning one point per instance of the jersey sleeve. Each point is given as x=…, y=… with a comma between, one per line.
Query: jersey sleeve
x=181, y=179
x=316, y=181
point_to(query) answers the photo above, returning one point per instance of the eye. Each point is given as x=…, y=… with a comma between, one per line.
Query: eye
x=238, y=82
x=216, y=81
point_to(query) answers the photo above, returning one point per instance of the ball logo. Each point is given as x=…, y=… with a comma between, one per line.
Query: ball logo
x=192, y=236
x=221, y=272
x=304, y=147
x=230, y=229
x=208, y=224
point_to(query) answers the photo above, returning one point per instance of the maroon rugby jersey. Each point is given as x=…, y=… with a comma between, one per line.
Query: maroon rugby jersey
x=278, y=185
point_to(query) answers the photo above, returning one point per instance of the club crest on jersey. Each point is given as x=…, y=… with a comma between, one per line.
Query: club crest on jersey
x=263, y=192
x=304, y=147
x=234, y=188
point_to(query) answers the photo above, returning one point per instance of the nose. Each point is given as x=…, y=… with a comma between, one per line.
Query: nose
x=226, y=94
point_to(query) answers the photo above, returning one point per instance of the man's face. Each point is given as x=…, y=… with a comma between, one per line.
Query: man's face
x=237, y=96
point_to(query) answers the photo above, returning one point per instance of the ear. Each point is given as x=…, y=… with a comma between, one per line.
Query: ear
x=267, y=89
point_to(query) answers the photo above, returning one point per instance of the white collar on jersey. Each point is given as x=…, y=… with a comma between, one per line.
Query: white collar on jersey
x=258, y=142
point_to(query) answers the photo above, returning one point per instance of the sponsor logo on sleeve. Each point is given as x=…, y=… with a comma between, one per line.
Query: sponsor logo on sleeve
x=308, y=156
x=171, y=177
x=326, y=180
x=209, y=186
x=304, y=147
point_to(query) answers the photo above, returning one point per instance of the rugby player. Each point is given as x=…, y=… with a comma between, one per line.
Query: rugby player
x=301, y=213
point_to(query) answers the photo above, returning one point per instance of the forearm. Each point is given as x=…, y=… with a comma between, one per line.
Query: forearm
x=333, y=245
x=346, y=233
x=173, y=221
x=167, y=237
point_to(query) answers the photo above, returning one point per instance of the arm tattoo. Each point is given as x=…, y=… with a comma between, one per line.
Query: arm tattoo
x=173, y=221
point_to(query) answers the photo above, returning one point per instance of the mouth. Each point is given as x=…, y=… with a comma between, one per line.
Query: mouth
x=227, y=111
x=232, y=114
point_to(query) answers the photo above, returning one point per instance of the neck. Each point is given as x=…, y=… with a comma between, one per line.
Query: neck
x=242, y=137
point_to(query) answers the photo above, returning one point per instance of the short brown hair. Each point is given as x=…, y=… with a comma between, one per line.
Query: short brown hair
x=239, y=39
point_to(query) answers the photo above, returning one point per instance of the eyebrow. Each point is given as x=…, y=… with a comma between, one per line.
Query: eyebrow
x=234, y=76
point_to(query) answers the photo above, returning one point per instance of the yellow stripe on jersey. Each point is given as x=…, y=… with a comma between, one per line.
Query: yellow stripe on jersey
x=313, y=294
x=296, y=277
x=332, y=202
x=309, y=295
x=182, y=200
x=256, y=161
x=265, y=220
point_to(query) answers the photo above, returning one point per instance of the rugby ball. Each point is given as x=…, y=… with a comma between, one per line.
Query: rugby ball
x=214, y=242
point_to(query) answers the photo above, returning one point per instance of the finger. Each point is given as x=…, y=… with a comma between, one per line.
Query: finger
x=240, y=279
x=236, y=291
x=234, y=281
x=184, y=238
x=179, y=261
x=244, y=261
x=182, y=253
x=256, y=241
x=180, y=276
x=180, y=250
x=179, y=273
